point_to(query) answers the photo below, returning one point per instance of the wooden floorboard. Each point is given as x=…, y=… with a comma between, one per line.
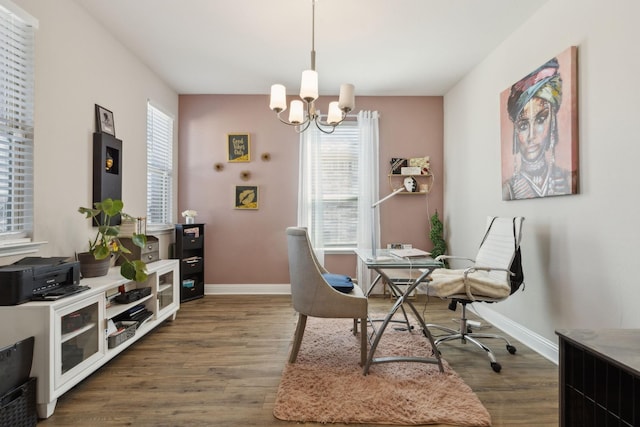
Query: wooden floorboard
x=219, y=364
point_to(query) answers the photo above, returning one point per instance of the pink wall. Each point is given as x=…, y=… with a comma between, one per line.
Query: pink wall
x=249, y=246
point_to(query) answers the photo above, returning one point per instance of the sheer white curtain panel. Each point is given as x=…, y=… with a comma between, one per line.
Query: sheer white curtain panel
x=309, y=150
x=369, y=223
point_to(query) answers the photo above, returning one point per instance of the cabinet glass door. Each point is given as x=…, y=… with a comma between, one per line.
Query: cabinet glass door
x=166, y=297
x=79, y=334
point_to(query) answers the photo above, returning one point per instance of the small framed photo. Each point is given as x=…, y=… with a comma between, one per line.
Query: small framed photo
x=238, y=147
x=104, y=121
x=246, y=197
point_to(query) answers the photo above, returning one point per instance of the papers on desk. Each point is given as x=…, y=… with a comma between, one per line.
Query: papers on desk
x=380, y=258
x=409, y=253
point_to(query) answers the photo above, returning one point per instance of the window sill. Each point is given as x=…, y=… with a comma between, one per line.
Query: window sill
x=339, y=251
x=14, y=248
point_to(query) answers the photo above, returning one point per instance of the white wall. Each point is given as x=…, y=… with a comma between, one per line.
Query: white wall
x=580, y=251
x=79, y=64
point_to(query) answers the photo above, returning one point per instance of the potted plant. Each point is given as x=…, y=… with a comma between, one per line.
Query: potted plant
x=190, y=216
x=106, y=245
x=436, y=236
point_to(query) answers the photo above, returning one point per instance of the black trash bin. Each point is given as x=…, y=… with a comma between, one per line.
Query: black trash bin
x=17, y=389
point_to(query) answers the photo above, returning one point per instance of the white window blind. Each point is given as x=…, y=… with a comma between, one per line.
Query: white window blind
x=334, y=183
x=159, y=166
x=16, y=122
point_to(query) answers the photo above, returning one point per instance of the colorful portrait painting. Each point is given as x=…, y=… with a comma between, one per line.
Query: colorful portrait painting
x=539, y=131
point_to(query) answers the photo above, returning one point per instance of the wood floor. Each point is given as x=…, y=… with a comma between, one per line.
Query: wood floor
x=219, y=364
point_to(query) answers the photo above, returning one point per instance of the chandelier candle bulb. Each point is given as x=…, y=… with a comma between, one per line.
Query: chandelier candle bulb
x=347, y=99
x=309, y=85
x=278, y=98
x=296, y=113
x=334, y=115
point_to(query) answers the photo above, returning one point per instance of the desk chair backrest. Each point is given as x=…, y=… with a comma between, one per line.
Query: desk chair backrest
x=313, y=296
x=310, y=293
x=500, y=245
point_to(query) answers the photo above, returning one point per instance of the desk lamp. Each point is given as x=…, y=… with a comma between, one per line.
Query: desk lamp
x=410, y=185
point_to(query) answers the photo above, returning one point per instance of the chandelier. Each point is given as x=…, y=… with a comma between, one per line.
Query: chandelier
x=303, y=112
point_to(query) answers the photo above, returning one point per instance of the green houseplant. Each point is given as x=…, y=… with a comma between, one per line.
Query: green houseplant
x=106, y=245
x=436, y=235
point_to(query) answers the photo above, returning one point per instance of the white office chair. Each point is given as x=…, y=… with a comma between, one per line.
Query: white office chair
x=491, y=278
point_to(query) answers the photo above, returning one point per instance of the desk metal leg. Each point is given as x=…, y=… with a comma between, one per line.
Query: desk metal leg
x=427, y=334
x=396, y=292
x=379, y=333
x=399, y=303
x=373, y=285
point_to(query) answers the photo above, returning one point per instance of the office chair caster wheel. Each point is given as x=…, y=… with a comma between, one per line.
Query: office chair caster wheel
x=496, y=366
x=511, y=349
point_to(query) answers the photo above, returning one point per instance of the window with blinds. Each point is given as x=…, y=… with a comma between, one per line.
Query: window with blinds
x=16, y=123
x=334, y=208
x=159, y=166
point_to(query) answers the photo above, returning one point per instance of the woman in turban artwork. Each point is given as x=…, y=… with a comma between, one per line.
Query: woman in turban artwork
x=532, y=107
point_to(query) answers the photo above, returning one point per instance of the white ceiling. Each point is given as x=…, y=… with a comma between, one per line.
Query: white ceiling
x=383, y=47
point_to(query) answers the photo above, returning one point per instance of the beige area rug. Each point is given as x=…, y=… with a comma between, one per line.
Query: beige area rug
x=326, y=384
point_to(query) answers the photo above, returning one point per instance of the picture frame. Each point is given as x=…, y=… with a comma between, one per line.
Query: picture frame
x=238, y=147
x=104, y=121
x=539, y=131
x=246, y=197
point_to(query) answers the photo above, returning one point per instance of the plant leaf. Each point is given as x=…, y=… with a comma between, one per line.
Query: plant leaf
x=134, y=270
x=101, y=252
x=128, y=270
x=113, y=208
x=109, y=230
x=139, y=240
x=89, y=212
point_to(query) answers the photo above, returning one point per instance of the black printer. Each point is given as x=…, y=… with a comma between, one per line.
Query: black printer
x=38, y=278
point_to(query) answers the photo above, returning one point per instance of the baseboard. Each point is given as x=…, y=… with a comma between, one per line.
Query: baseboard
x=252, y=289
x=249, y=289
x=537, y=343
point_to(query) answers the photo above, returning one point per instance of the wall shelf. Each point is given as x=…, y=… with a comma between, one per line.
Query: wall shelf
x=425, y=183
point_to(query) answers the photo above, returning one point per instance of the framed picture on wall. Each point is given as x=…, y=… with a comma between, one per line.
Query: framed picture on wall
x=539, y=131
x=246, y=197
x=104, y=121
x=238, y=147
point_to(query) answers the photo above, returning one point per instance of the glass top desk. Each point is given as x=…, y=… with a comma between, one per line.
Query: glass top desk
x=384, y=261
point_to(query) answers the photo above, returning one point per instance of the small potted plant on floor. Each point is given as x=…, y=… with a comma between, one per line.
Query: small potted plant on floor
x=106, y=247
x=436, y=235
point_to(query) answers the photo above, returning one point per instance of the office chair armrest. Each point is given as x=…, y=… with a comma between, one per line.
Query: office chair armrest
x=441, y=257
x=474, y=269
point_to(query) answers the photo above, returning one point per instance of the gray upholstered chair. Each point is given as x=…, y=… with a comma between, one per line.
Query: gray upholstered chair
x=489, y=279
x=313, y=296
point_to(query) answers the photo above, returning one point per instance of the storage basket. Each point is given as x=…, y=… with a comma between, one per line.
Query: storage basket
x=118, y=338
x=18, y=406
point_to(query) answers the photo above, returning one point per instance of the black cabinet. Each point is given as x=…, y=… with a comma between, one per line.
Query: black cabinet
x=599, y=377
x=189, y=249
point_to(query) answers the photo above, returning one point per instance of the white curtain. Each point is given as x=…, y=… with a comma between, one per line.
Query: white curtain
x=309, y=147
x=369, y=222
